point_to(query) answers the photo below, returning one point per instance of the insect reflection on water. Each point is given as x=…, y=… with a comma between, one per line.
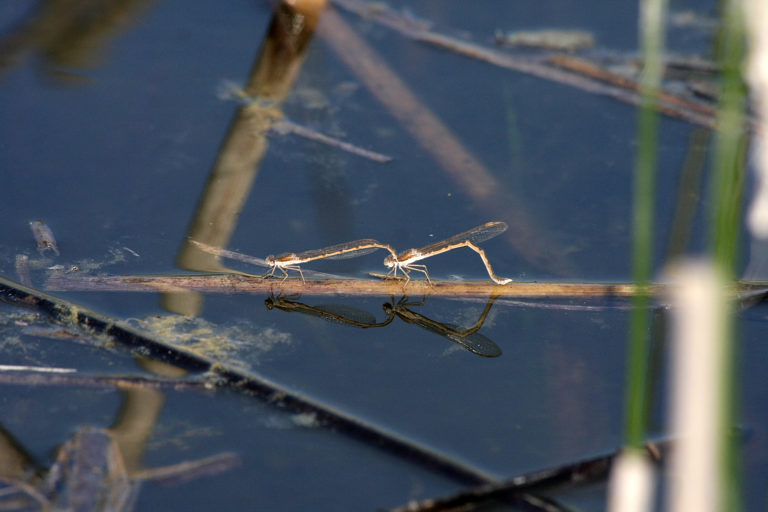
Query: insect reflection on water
x=468, y=338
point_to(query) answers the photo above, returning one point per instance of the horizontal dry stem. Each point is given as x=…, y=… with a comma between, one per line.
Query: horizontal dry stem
x=235, y=283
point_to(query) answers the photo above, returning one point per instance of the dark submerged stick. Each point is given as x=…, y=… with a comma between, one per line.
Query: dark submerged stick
x=519, y=489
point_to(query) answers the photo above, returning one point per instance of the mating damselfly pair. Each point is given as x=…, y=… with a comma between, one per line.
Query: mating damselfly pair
x=405, y=261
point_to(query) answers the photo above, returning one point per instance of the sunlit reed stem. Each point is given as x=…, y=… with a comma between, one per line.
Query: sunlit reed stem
x=728, y=162
x=727, y=180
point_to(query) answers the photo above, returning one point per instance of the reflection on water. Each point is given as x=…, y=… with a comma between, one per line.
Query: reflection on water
x=97, y=469
x=339, y=313
x=467, y=338
x=69, y=33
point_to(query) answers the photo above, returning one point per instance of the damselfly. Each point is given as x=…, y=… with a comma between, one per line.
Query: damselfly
x=405, y=261
x=292, y=260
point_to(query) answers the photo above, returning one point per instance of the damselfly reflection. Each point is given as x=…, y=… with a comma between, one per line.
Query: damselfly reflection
x=405, y=261
x=468, y=338
x=338, y=313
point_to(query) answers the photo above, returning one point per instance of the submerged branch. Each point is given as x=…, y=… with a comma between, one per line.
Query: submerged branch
x=521, y=489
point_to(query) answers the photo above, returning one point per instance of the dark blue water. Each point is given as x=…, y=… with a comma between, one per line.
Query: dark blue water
x=114, y=154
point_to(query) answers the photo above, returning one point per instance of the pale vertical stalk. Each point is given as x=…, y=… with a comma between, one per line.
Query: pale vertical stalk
x=756, y=18
x=630, y=487
x=698, y=324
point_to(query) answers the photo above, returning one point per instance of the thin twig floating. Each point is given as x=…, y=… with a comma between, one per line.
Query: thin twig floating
x=284, y=126
x=405, y=261
x=587, y=68
x=61, y=379
x=39, y=369
x=182, y=472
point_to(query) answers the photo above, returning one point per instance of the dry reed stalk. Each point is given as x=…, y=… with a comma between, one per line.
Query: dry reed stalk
x=234, y=283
